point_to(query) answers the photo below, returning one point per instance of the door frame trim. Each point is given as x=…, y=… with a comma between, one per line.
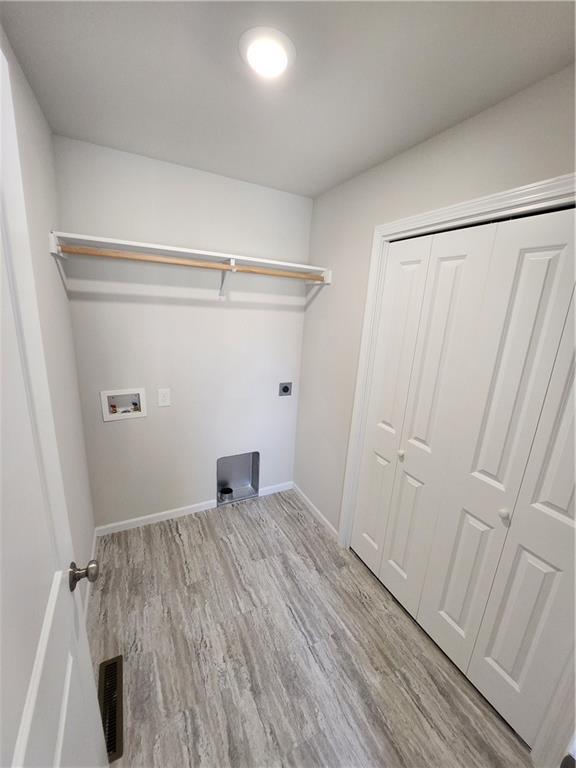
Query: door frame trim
x=545, y=195
x=22, y=288
x=16, y=252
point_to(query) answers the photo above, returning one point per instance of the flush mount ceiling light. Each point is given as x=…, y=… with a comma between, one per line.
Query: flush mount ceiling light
x=267, y=51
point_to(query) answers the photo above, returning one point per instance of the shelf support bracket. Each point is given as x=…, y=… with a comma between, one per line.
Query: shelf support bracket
x=222, y=281
x=54, y=246
x=223, y=276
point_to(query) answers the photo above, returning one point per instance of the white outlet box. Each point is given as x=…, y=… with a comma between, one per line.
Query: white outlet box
x=164, y=397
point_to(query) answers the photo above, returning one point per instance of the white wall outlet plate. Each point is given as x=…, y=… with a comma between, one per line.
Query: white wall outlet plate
x=164, y=397
x=118, y=404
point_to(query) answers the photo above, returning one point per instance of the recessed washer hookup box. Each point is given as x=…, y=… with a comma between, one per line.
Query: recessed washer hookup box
x=120, y=404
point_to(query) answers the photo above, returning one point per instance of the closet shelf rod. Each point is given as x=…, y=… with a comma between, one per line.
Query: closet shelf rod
x=110, y=253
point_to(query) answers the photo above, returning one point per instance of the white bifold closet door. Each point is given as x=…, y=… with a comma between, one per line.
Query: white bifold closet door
x=527, y=632
x=456, y=275
x=449, y=506
x=403, y=290
x=526, y=300
x=431, y=299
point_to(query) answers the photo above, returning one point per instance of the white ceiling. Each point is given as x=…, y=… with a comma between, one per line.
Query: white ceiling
x=166, y=79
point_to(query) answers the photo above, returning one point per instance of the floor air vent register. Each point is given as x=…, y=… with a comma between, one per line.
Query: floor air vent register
x=111, y=703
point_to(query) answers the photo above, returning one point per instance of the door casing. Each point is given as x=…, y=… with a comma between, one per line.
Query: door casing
x=62, y=626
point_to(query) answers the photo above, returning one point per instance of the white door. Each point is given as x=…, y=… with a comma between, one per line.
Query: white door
x=458, y=268
x=527, y=296
x=49, y=711
x=527, y=634
x=404, y=279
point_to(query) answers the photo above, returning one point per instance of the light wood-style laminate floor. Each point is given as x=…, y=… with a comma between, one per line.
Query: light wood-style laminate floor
x=251, y=639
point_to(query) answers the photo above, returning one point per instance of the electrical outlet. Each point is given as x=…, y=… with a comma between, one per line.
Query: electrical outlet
x=164, y=397
x=285, y=389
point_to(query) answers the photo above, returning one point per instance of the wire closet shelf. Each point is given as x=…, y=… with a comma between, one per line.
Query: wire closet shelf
x=65, y=244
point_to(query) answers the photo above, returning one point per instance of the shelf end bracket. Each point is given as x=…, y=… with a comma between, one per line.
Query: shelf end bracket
x=54, y=246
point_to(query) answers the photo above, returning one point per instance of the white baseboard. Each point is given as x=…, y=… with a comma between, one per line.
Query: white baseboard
x=154, y=517
x=276, y=488
x=316, y=512
x=171, y=514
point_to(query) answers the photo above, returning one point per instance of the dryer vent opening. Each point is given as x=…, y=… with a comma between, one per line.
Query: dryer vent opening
x=237, y=477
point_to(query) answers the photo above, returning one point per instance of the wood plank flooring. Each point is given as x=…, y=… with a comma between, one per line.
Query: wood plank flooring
x=251, y=639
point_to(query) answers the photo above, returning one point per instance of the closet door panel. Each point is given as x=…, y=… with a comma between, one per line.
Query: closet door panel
x=527, y=297
x=458, y=268
x=406, y=268
x=373, y=500
x=527, y=633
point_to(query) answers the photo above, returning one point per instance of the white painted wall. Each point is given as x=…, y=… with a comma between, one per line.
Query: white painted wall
x=526, y=138
x=222, y=360
x=36, y=152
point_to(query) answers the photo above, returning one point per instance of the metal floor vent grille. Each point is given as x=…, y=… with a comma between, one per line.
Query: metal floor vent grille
x=111, y=702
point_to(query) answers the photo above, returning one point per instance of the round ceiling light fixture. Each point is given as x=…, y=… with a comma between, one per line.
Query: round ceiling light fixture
x=267, y=51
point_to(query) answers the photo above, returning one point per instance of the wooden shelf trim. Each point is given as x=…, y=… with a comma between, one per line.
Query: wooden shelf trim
x=157, y=258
